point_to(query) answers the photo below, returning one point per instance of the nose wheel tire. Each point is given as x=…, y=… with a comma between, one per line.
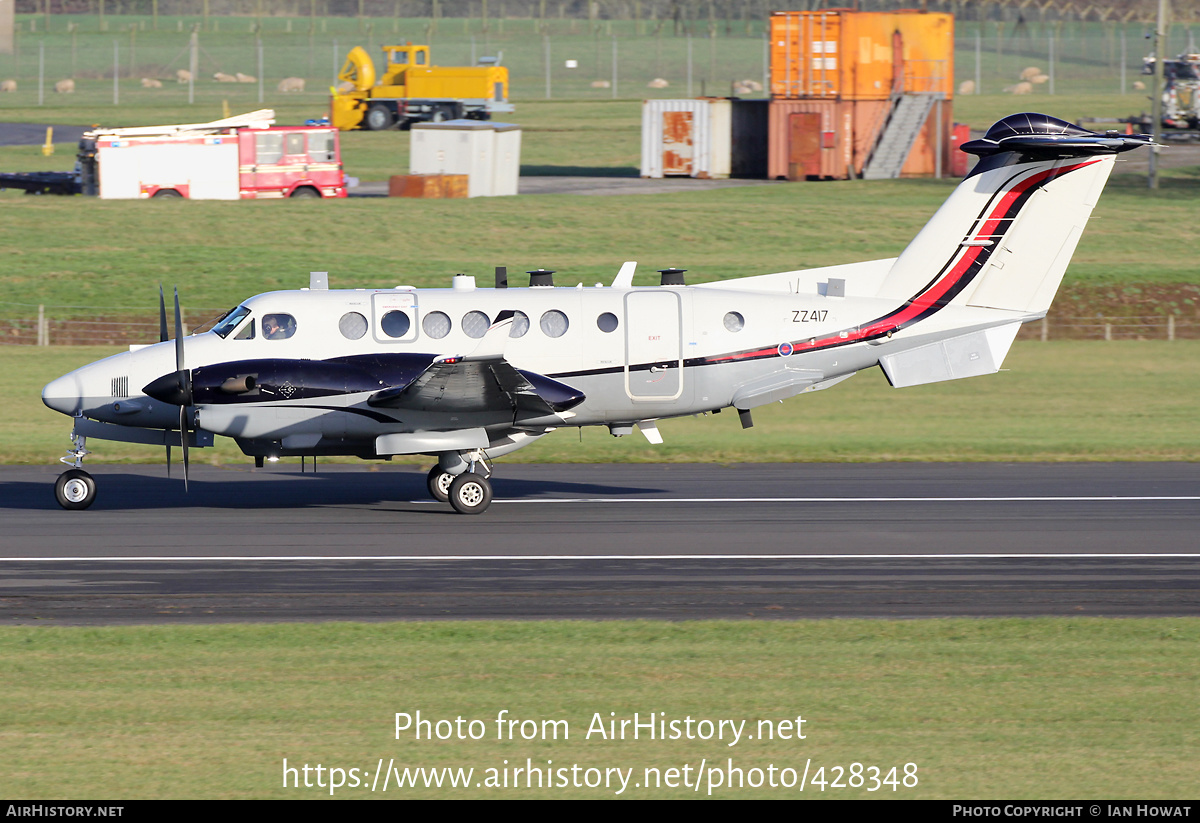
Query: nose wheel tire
x=75, y=489
x=439, y=484
x=470, y=493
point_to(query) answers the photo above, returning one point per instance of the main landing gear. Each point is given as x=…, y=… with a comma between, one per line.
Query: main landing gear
x=469, y=492
x=75, y=488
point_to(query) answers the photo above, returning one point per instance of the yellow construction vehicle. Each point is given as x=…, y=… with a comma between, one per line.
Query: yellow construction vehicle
x=413, y=90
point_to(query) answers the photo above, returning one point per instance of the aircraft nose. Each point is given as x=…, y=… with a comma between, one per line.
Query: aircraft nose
x=64, y=394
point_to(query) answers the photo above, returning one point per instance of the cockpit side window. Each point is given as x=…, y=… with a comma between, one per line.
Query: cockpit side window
x=230, y=321
x=247, y=332
x=278, y=326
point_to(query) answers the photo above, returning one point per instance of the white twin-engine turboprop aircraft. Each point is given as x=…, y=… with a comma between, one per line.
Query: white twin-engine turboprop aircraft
x=468, y=374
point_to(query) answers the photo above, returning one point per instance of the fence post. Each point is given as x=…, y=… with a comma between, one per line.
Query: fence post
x=1045, y=329
x=1051, y=61
x=116, y=72
x=689, y=65
x=41, y=325
x=1123, y=58
x=1170, y=327
x=614, y=68
x=193, y=65
x=1108, y=331
x=767, y=62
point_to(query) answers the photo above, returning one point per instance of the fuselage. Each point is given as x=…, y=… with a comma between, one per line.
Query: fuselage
x=315, y=357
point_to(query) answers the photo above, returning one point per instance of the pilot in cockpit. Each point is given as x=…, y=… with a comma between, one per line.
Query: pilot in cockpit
x=278, y=326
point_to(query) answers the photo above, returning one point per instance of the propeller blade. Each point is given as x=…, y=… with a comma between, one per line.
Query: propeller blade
x=162, y=316
x=183, y=441
x=185, y=388
x=168, y=461
x=178, y=334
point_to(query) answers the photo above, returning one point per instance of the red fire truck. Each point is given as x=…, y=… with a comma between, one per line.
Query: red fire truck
x=244, y=157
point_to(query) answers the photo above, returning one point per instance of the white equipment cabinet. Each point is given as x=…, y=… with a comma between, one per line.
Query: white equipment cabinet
x=488, y=153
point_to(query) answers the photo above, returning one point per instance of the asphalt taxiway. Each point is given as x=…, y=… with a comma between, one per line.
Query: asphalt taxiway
x=779, y=541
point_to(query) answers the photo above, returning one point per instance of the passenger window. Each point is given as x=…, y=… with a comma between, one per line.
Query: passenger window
x=293, y=143
x=278, y=326
x=396, y=323
x=554, y=323
x=352, y=325
x=436, y=324
x=268, y=148
x=475, y=324
x=420, y=58
x=520, y=324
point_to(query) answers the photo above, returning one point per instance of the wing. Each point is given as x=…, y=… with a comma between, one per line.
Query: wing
x=482, y=383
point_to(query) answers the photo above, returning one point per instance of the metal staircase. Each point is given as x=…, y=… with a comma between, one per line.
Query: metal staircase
x=909, y=113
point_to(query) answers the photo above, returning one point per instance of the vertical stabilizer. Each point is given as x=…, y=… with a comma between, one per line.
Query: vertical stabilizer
x=1005, y=236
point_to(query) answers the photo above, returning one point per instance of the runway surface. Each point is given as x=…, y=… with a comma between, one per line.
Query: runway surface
x=780, y=541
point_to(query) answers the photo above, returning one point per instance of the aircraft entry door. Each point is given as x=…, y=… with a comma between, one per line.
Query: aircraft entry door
x=653, y=345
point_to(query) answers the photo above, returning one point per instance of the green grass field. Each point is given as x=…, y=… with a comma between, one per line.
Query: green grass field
x=1004, y=709
x=1055, y=401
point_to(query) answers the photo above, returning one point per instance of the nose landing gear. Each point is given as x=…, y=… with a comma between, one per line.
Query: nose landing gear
x=75, y=488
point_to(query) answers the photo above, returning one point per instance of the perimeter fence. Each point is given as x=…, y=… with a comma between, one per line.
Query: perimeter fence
x=120, y=59
x=46, y=325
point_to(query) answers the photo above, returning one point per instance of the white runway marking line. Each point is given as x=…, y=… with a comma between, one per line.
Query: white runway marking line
x=1094, y=499
x=470, y=558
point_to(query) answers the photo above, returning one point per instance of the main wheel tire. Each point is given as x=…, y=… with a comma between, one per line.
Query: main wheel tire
x=75, y=489
x=439, y=484
x=378, y=118
x=470, y=493
x=441, y=114
x=167, y=193
x=306, y=192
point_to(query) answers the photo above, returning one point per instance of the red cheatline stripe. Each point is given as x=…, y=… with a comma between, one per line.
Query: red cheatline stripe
x=922, y=302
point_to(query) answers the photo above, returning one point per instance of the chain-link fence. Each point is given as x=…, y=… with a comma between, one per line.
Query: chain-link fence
x=24, y=324
x=108, y=60
x=47, y=325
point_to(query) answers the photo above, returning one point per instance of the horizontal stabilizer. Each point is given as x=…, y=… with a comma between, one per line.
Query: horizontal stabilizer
x=968, y=355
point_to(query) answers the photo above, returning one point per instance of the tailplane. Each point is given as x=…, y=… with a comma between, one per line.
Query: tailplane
x=1005, y=236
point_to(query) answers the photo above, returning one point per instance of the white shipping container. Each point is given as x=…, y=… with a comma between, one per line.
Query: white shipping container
x=689, y=138
x=488, y=153
x=506, y=166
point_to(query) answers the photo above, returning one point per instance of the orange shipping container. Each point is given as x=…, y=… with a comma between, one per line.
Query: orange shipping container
x=833, y=139
x=821, y=138
x=852, y=55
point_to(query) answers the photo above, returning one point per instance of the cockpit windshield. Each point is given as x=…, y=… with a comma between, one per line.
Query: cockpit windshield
x=230, y=321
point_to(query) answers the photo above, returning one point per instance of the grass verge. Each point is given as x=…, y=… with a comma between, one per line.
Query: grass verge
x=1014, y=709
x=1067, y=400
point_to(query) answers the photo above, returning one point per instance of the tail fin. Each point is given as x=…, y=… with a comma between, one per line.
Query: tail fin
x=1005, y=236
